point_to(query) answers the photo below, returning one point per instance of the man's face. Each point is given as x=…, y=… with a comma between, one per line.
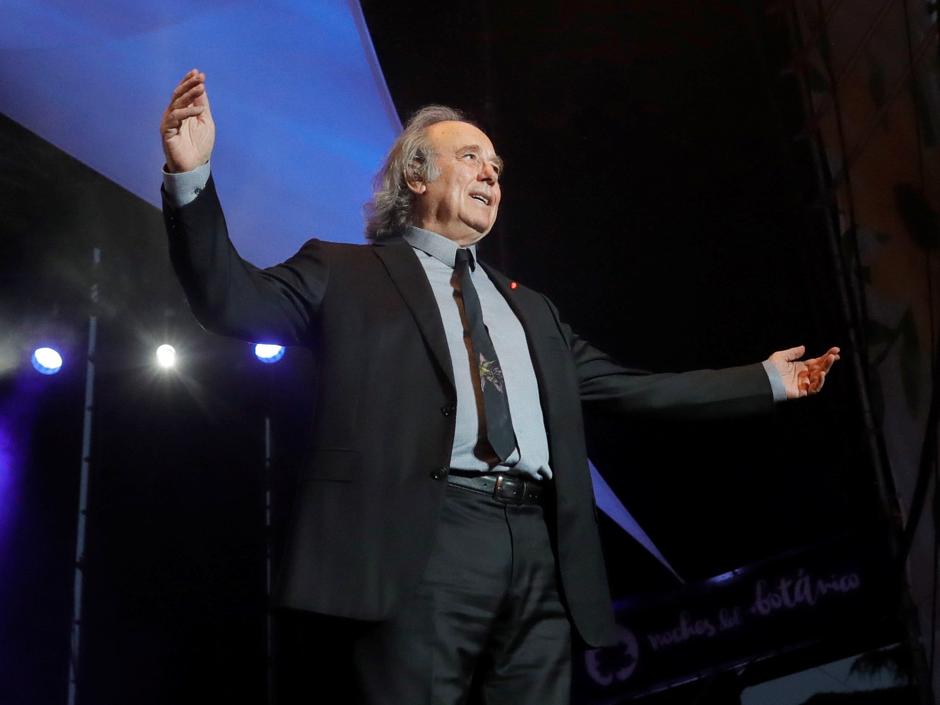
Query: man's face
x=461, y=203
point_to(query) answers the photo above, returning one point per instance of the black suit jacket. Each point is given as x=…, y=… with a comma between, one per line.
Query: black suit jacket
x=371, y=492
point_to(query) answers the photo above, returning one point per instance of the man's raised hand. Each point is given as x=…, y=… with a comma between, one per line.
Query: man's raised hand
x=187, y=128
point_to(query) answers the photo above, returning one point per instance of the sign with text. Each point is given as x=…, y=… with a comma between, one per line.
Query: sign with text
x=825, y=593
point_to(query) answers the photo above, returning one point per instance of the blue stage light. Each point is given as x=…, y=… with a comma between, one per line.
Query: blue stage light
x=47, y=361
x=268, y=353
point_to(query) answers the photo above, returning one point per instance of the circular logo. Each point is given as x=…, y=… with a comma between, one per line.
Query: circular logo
x=613, y=663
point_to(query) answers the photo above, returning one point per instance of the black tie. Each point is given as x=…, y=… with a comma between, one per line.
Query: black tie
x=495, y=404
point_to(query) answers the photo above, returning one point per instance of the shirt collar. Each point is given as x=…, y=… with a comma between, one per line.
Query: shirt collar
x=437, y=246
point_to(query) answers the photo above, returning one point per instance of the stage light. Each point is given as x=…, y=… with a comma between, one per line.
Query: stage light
x=166, y=356
x=47, y=361
x=268, y=353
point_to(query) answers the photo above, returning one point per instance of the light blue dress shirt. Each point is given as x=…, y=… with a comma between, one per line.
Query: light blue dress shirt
x=436, y=254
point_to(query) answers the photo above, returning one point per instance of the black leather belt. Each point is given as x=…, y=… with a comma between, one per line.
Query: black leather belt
x=509, y=489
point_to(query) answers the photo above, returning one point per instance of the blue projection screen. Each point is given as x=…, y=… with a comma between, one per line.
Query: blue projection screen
x=302, y=112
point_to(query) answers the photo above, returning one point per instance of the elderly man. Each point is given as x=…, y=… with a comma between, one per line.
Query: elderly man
x=446, y=512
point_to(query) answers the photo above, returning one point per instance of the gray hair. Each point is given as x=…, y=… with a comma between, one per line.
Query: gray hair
x=410, y=158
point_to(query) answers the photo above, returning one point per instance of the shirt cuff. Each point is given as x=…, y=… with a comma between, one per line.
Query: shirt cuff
x=182, y=188
x=776, y=381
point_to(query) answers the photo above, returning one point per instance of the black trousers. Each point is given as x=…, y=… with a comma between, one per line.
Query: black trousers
x=485, y=625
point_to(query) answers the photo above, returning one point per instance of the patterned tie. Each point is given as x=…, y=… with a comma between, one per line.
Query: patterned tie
x=495, y=404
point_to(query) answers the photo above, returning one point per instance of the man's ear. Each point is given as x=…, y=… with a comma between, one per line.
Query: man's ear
x=416, y=185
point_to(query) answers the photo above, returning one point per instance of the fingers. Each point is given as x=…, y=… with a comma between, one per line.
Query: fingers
x=189, y=96
x=803, y=383
x=831, y=355
x=810, y=383
x=824, y=362
x=188, y=100
x=191, y=79
x=174, y=118
x=816, y=383
x=192, y=85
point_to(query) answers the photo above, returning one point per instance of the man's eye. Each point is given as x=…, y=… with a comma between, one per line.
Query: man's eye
x=471, y=155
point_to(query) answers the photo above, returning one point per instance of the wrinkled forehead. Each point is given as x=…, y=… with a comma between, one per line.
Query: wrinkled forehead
x=452, y=135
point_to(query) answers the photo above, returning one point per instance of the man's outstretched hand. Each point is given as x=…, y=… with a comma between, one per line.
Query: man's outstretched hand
x=187, y=128
x=803, y=377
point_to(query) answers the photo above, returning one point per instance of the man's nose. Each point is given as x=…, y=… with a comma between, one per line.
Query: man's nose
x=488, y=173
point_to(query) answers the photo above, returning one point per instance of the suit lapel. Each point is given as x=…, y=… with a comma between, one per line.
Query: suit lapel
x=502, y=283
x=412, y=283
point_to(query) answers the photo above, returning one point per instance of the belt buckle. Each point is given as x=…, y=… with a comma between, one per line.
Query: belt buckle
x=507, y=495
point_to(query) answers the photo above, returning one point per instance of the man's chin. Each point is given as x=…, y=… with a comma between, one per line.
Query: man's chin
x=480, y=234
x=479, y=230
x=465, y=234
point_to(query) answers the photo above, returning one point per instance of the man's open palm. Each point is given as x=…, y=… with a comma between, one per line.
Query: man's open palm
x=803, y=377
x=187, y=128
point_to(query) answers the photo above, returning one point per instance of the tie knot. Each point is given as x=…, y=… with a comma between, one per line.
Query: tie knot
x=464, y=257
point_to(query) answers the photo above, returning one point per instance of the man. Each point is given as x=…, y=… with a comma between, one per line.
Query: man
x=447, y=509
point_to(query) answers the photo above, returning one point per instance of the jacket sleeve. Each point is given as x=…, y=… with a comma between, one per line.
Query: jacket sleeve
x=231, y=296
x=606, y=386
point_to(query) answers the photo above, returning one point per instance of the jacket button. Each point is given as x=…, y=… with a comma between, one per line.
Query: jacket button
x=439, y=473
x=448, y=409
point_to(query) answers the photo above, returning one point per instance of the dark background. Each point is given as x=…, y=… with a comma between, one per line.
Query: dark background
x=654, y=190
